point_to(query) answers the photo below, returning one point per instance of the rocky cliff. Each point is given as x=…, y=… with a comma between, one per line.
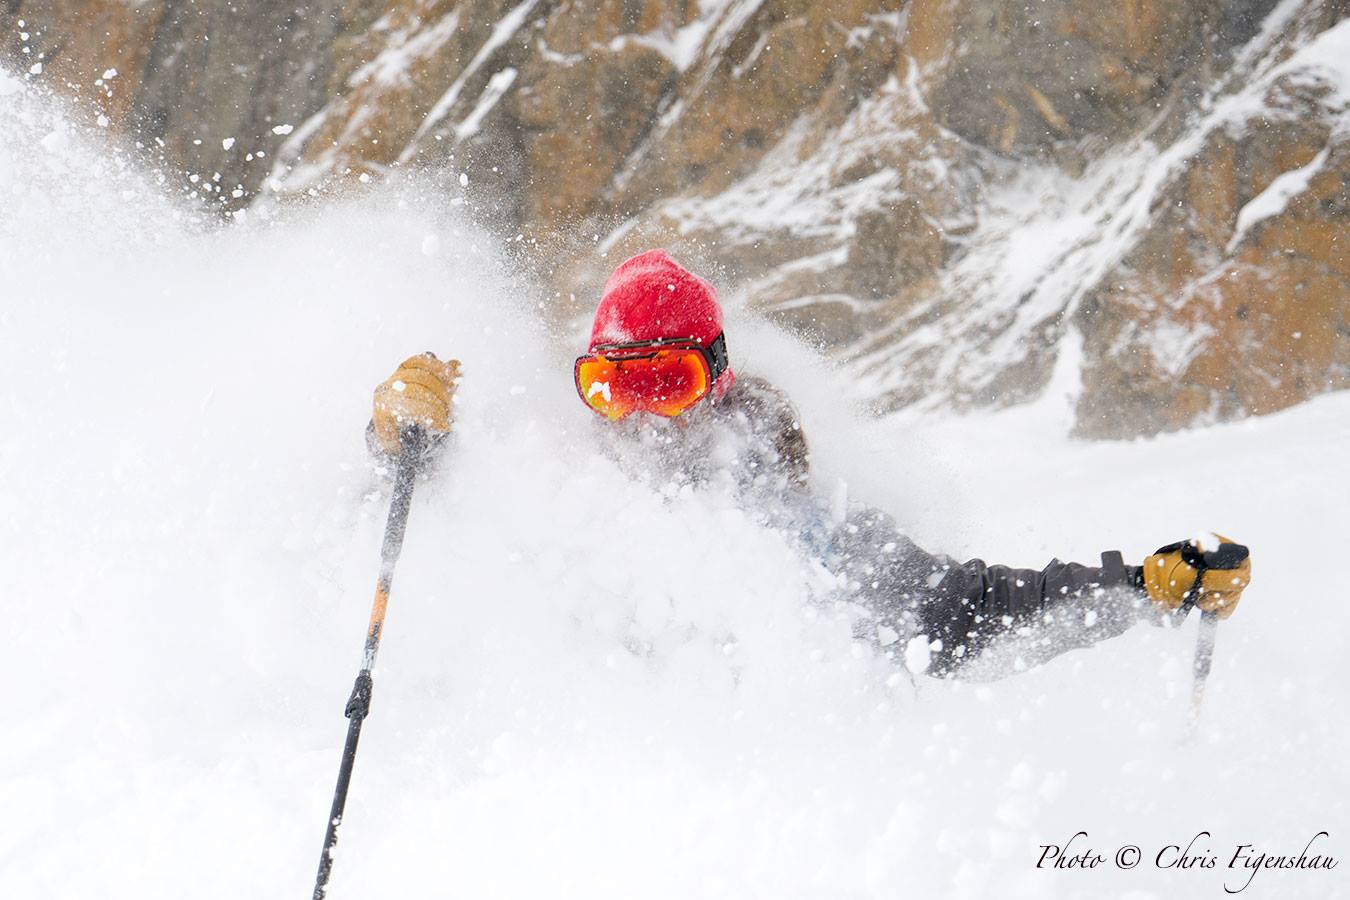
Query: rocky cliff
x=951, y=195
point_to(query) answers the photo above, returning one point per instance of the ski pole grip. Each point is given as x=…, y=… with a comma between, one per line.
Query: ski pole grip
x=1227, y=556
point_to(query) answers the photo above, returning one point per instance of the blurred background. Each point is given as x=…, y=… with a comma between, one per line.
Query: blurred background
x=947, y=195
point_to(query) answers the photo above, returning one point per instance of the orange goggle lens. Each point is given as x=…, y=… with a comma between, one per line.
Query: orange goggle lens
x=666, y=382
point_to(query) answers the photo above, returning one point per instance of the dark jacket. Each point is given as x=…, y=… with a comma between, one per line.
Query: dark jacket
x=960, y=609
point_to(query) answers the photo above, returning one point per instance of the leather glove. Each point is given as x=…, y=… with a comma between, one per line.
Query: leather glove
x=420, y=392
x=1183, y=571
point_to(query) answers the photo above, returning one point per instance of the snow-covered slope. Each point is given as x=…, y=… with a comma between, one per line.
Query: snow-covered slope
x=590, y=686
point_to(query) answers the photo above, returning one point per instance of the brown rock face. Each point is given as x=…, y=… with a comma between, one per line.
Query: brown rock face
x=943, y=192
x=77, y=42
x=1023, y=77
x=1235, y=299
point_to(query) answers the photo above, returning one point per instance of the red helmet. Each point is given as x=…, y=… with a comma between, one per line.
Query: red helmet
x=651, y=297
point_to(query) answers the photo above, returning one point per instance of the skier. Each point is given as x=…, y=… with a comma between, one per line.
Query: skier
x=658, y=370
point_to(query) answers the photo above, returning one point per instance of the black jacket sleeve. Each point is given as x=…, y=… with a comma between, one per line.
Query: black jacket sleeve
x=963, y=608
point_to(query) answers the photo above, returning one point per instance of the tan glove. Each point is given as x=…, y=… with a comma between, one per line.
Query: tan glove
x=420, y=392
x=1172, y=572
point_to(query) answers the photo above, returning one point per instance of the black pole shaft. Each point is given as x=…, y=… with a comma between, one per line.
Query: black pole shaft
x=358, y=705
x=1226, y=556
x=1204, y=658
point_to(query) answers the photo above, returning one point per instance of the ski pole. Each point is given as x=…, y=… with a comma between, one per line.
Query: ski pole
x=1228, y=556
x=1204, y=657
x=358, y=705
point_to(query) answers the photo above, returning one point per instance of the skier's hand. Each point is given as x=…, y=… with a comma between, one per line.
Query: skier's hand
x=1171, y=573
x=420, y=392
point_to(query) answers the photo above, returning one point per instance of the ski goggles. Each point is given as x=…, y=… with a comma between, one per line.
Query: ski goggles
x=665, y=376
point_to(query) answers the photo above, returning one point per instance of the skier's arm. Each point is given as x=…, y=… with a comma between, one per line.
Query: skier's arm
x=1049, y=611
x=961, y=608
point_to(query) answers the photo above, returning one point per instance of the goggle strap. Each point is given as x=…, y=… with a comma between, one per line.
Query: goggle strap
x=717, y=353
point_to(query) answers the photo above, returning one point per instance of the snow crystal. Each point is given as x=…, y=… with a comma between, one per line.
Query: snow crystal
x=227, y=143
x=56, y=139
x=918, y=655
x=283, y=129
